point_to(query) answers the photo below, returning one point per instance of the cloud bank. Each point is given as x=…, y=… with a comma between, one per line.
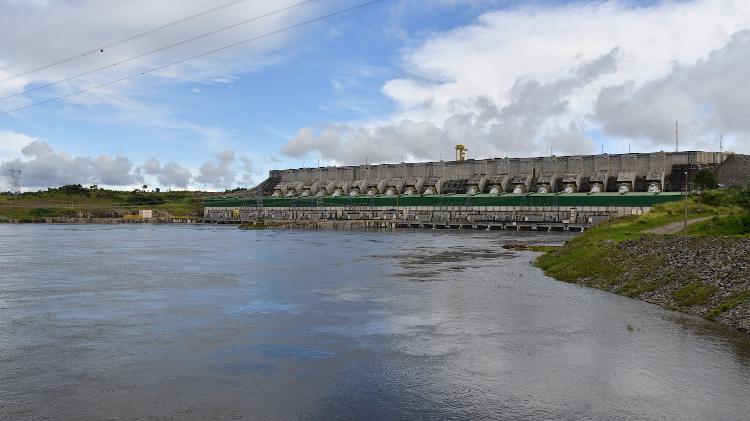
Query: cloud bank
x=534, y=79
x=42, y=166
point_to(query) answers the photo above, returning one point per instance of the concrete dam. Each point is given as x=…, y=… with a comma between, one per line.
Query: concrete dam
x=540, y=193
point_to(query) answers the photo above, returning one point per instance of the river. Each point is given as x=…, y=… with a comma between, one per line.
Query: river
x=210, y=323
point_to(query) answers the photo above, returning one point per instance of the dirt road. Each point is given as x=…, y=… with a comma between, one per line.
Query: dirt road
x=676, y=227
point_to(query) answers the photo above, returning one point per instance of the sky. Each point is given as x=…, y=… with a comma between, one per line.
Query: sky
x=212, y=94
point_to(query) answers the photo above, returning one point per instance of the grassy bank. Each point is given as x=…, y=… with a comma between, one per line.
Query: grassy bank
x=76, y=201
x=705, y=273
x=262, y=225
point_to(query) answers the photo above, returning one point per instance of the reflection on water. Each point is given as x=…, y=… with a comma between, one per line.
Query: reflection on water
x=174, y=322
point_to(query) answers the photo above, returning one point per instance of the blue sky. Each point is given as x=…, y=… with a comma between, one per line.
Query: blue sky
x=396, y=79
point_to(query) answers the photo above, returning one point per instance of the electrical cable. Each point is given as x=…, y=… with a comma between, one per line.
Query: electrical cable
x=160, y=49
x=64, y=24
x=102, y=48
x=206, y=53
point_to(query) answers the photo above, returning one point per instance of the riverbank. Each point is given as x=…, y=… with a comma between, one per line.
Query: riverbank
x=77, y=204
x=704, y=274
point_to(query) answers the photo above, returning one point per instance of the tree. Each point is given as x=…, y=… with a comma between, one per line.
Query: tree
x=741, y=197
x=705, y=179
x=72, y=189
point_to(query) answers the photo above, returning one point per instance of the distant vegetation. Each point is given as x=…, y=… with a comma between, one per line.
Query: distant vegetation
x=76, y=200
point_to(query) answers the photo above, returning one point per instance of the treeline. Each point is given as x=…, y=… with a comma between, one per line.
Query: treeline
x=137, y=195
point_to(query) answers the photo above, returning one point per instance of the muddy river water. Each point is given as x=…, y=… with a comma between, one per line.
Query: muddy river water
x=213, y=323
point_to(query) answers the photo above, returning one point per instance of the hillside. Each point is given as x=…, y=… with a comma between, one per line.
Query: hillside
x=76, y=201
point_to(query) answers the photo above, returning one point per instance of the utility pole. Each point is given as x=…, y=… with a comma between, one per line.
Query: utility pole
x=259, y=204
x=676, y=136
x=685, y=224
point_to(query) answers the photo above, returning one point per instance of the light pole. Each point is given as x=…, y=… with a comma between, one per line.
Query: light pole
x=685, y=224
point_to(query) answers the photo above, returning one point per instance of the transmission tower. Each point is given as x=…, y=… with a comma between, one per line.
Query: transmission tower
x=15, y=180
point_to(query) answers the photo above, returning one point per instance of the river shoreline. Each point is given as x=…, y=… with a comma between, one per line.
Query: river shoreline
x=707, y=277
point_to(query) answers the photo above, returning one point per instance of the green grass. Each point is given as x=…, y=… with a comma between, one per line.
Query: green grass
x=638, y=286
x=728, y=303
x=594, y=259
x=594, y=256
x=734, y=224
x=693, y=294
x=34, y=207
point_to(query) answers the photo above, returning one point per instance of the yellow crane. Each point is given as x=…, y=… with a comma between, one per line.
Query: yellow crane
x=461, y=153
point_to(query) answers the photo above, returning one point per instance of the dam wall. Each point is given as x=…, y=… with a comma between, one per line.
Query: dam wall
x=539, y=193
x=638, y=172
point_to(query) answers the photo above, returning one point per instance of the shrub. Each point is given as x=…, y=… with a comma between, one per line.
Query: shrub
x=744, y=224
x=713, y=198
x=73, y=189
x=145, y=199
x=741, y=197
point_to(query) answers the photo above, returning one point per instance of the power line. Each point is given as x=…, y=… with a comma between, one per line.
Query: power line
x=64, y=24
x=160, y=49
x=207, y=53
x=101, y=49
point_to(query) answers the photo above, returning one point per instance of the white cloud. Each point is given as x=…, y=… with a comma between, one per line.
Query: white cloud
x=11, y=144
x=170, y=175
x=21, y=18
x=219, y=173
x=523, y=79
x=708, y=97
x=42, y=166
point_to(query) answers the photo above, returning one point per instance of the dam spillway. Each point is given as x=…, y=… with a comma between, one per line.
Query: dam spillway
x=565, y=193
